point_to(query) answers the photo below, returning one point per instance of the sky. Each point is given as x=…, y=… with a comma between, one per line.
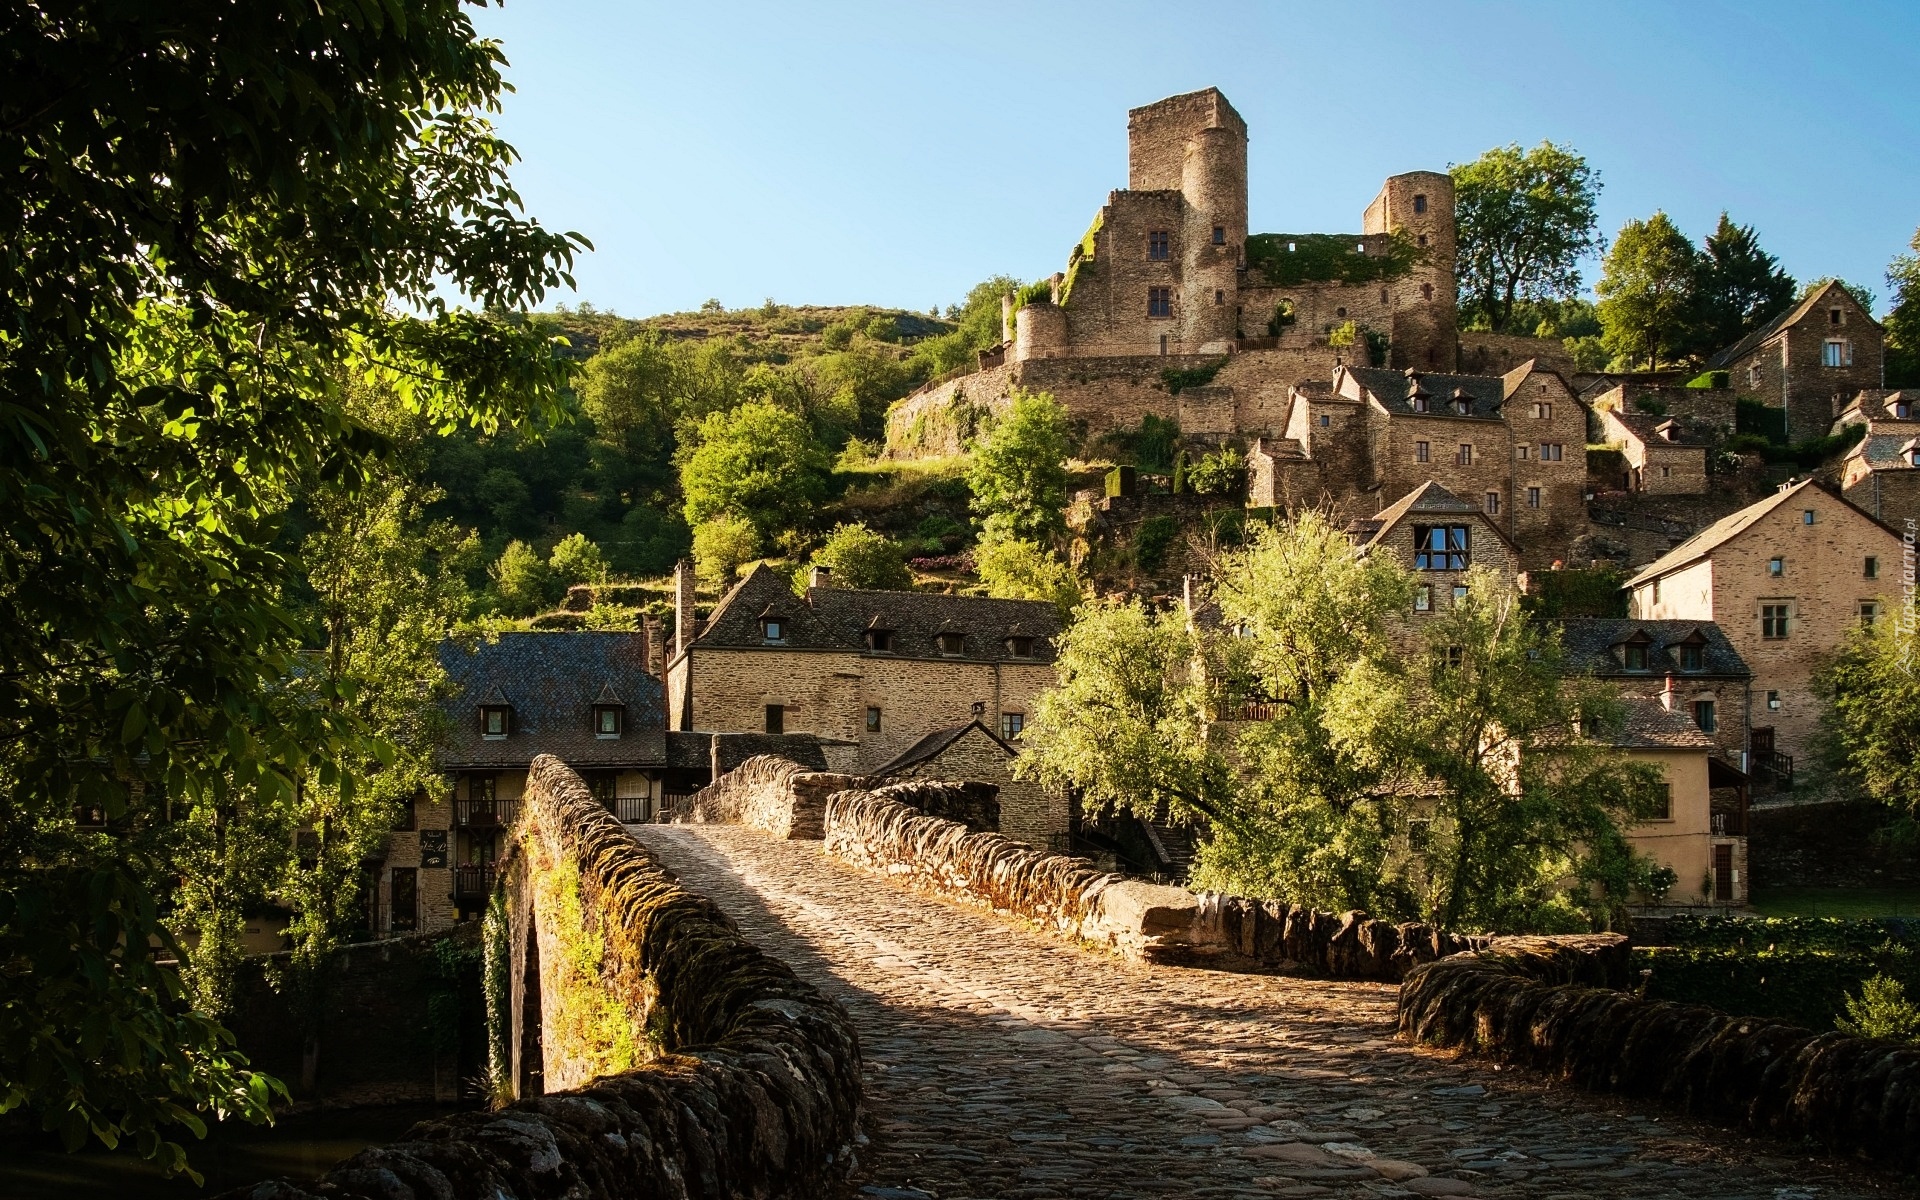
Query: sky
x=896, y=154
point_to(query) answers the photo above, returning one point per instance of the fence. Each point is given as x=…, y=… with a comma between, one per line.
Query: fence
x=485, y=814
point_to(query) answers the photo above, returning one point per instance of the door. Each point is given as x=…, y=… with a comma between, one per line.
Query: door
x=1723, y=873
x=406, y=899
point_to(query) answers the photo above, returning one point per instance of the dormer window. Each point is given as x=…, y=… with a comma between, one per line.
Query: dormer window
x=496, y=720
x=1902, y=410
x=879, y=641
x=1693, y=656
x=1462, y=403
x=1020, y=647
x=952, y=644
x=608, y=720
x=1913, y=457
x=773, y=631
x=1636, y=656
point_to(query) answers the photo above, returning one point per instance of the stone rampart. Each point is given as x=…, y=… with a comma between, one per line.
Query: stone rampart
x=1553, y=1005
x=751, y=1087
x=772, y=794
x=970, y=802
x=1268, y=934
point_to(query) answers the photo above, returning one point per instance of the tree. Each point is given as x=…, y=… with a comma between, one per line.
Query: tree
x=1019, y=474
x=230, y=208
x=860, y=558
x=576, y=560
x=1013, y=569
x=1859, y=291
x=1903, y=321
x=1870, y=717
x=1646, y=292
x=1740, y=287
x=757, y=462
x=630, y=390
x=1525, y=218
x=721, y=547
x=522, y=581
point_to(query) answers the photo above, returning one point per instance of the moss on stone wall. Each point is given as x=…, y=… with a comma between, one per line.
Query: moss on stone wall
x=1082, y=256
x=588, y=1024
x=1293, y=258
x=495, y=973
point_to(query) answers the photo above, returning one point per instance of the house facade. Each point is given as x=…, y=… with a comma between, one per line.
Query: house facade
x=869, y=673
x=1785, y=579
x=1707, y=857
x=1810, y=360
x=1439, y=537
x=1028, y=812
x=1881, y=471
x=1661, y=458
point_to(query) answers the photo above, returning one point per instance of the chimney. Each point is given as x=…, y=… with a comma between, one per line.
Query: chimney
x=979, y=709
x=820, y=577
x=651, y=661
x=1666, y=694
x=682, y=606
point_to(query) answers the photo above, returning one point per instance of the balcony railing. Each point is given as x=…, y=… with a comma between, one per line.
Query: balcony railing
x=630, y=810
x=671, y=803
x=1775, y=766
x=474, y=882
x=485, y=814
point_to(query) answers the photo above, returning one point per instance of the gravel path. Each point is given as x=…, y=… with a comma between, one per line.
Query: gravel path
x=1002, y=1062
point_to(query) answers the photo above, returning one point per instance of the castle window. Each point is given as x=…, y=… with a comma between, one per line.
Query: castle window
x=1773, y=622
x=1426, y=289
x=1552, y=451
x=1419, y=203
x=1776, y=567
x=1360, y=247
x=1542, y=411
x=1219, y=235
x=1459, y=598
x=873, y=720
x=1011, y=725
x=1383, y=295
x=776, y=718
x=1421, y=450
x=1493, y=504
x=1219, y=296
x=1339, y=312
x=1440, y=547
x=952, y=645
x=1423, y=598
x=1464, y=456
x=1159, y=245
x=1837, y=352
x=1422, y=240
x=1160, y=303
x=1692, y=657
x=1871, y=568
x=1705, y=716
x=1325, y=420
x=1533, y=497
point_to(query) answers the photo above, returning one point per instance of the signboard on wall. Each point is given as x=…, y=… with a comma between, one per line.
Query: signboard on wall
x=433, y=847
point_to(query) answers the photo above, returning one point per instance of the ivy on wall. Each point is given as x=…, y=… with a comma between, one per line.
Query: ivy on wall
x=1291, y=258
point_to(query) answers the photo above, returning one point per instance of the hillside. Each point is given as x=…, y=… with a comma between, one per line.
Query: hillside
x=771, y=333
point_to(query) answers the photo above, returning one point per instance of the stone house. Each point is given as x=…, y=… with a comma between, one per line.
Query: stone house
x=585, y=697
x=1689, y=665
x=1439, y=537
x=1881, y=471
x=869, y=673
x=1514, y=445
x=1661, y=459
x=1809, y=360
x=1709, y=859
x=1785, y=578
x=1028, y=812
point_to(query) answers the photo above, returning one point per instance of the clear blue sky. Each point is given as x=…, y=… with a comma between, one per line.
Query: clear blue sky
x=898, y=153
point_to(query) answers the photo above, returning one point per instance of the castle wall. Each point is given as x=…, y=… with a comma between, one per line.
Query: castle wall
x=1483, y=353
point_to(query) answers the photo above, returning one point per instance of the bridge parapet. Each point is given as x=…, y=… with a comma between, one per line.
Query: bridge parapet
x=693, y=1064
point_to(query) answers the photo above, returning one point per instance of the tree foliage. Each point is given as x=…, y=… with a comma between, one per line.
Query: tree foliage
x=722, y=546
x=576, y=560
x=1525, y=218
x=212, y=215
x=1013, y=569
x=1646, y=293
x=1740, y=287
x=1903, y=320
x=758, y=462
x=1870, y=716
x=1019, y=471
x=858, y=557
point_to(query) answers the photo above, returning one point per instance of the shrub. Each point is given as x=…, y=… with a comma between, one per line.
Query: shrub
x=1151, y=542
x=1019, y=570
x=1577, y=592
x=577, y=560
x=1650, y=406
x=721, y=546
x=523, y=582
x=1180, y=379
x=1881, y=1010
x=861, y=558
x=1802, y=970
x=1709, y=379
x=1218, y=474
x=1753, y=416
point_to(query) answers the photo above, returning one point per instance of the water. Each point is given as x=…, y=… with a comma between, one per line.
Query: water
x=298, y=1147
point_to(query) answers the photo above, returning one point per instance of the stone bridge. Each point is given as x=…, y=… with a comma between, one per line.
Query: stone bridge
x=816, y=990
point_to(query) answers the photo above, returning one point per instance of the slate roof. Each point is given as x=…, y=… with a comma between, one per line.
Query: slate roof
x=1395, y=390
x=1651, y=725
x=1591, y=645
x=1886, y=451
x=1733, y=525
x=1746, y=345
x=552, y=681
x=833, y=618
x=936, y=743
x=1646, y=427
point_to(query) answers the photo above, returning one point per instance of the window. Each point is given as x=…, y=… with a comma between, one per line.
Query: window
x=1662, y=807
x=405, y=899
x=1636, y=656
x=1419, y=203
x=776, y=718
x=1423, y=598
x=1158, y=245
x=1533, y=497
x=1462, y=406
x=1706, y=716
x=1426, y=289
x=773, y=629
x=1913, y=457
x=1833, y=316
x=1339, y=312
x=1383, y=295
x=1421, y=451
x=1543, y=411
x=606, y=720
x=1773, y=701
x=1011, y=724
x=1806, y=516
x=1219, y=296
x=1902, y=410
x=1837, y=352
x=1666, y=472
x=1440, y=548
x=1325, y=420
x=1493, y=504
x=1464, y=455
x=873, y=720
x=1219, y=235
x=1869, y=612
x=1773, y=622
x=1552, y=452
x=1452, y=656
x=1692, y=657
x=1459, y=594
x=880, y=641
x=495, y=721
x=1520, y=454
x=1871, y=568
x=1418, y=403
x=1020, y=647
x=1160, y=304
x=1776, y=566
x=953, y=644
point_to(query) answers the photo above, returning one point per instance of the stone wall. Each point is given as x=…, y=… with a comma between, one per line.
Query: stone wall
x=753, y=1089
x=1484, y=353
x=1552, y=1004
x=774, y=795
x=1826, y=845
x=972, y=803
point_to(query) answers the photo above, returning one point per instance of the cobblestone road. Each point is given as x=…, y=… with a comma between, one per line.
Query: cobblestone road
x=1002, y=1062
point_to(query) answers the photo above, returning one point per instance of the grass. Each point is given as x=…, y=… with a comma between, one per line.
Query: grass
x=1848, y=903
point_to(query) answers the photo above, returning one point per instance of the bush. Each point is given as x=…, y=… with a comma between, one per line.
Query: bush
x=1151, y=542
x=1578, y=592
x=861, y=558
x=1803, y=970
x=1017, y=570
x=1752, y=416
x=1151, y=446
x=1650, y=406
x=522, y=581
x=1221, y=473
x=577, y=560
x=1882, y=1010
x=1179, y=379
x=721, y=546
x=1710, y=379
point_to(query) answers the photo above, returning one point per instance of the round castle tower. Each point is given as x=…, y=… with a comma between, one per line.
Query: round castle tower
x=1214, y=182
x=1426, y=309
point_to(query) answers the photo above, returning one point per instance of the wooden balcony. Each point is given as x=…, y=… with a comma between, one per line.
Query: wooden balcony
x=485, y=814
x=473, y=883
